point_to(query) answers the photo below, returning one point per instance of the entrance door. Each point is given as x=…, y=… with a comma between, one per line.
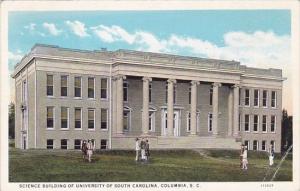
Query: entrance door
x=176, y=129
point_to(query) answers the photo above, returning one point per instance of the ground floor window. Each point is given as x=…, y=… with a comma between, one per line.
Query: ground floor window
x=50, y=143
x=126, y=118
x=151, y=120
x=263, y=145
x=188, y=127
x=103, y=144
x=247, y=143
x=255, y=145
x=64, y=144
x=77, y=143
x=272, y=143
x=210, y=117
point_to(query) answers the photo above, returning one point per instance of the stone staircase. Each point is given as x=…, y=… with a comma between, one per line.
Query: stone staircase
x=187, y=142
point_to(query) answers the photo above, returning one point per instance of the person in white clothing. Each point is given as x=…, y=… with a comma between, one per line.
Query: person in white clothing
x=271, y=156
x=143, y=151
x=137, y=149
x=90, y=148
x=245, y=159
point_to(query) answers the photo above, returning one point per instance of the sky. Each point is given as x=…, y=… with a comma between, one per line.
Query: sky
x=256, y=38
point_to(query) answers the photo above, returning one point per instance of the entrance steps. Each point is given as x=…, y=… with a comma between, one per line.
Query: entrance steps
x=186, y=142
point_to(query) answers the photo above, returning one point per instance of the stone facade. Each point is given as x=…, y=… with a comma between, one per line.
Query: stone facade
x=127, y=94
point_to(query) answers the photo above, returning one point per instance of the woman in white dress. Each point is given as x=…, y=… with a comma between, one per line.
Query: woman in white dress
x=90, y=148
x=245, y=159
x=271, y=156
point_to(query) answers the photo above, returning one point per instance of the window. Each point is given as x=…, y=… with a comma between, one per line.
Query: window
x=247, y=97
x=91, y=119
x=50, y=143
x=265, y=98
x=151, y=120
x=247, y=121
x=125, y=91
x=240, y=93
x=210, y=117
x=272, y=143
x=50, y=117
x=77, y=144
x=190, y=95
x=49, y=85
x=174, y=93
x=64, y=115
x=91, y=87
x=273, y=123
x=24, y=92
x=64, y=144
x=247, y=143
x=77, y=86
x=166, y=92
x=104, y=88
x=211, y=96
x=78, y=120
x=104, y=119
x=240, y=122
x=255, y=145
x=150, y=92
x=263, y=145
x=264, y=123
x=256, y=98
x=126, y=119
x=188, y=129
x=273, y=99
x=255, y=123
x=64, y=86
x=103, y=144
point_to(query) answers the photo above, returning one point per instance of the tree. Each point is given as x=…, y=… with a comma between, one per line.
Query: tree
x=11, y=121
x=286, y=131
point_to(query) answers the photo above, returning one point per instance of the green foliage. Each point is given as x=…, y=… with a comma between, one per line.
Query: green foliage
x=11, y=121
x=165, y=165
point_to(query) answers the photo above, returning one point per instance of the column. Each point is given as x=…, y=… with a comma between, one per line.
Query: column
x=120, y=104
x=170, y=107
x=236, y=99
x=215, y=107
x=145, y=115
x=230, y=106
x=194, y=107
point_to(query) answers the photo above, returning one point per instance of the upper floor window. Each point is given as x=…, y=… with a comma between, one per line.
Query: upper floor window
x=50, y=117
x=166, y=92
x=264, y=123
x=49, y=85
x=78, y=120
x=210, y=118
x=211, y=96
x=77, y=86
x=247, y=97
x=190, y=95
x=273, y=99
x=255, y=123
x=64, y=86
x=240, y=122
x=265, y=98
x=104, y=119
x=91, y=119
x=273, y=123
x=256, y=98
x=64, y=115
x=103, y=92
x=91, y=87
x=24, y=91
x=174, y=93
x=150, y=92
x=247, y=121
x=240, y=93
x=125, y=91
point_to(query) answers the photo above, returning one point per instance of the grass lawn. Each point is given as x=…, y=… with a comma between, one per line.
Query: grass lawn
x=110, y=166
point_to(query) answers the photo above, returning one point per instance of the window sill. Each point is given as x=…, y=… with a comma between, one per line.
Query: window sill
x=78, y=129
x=103, y=129
x=77, y=97
x=50, y=129
x=91, y=129
x=64, y=97
x=91, y=99
x=103, y=99
x=66, y=129
x=50, y=97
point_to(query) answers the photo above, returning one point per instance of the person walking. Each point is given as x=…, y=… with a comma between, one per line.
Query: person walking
x=90, y=148
x=241, y=155
x=143, y=152
x=137, y=149
x=271, y=156
x=245, y=158
x=147, y=150
x=84, y=149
